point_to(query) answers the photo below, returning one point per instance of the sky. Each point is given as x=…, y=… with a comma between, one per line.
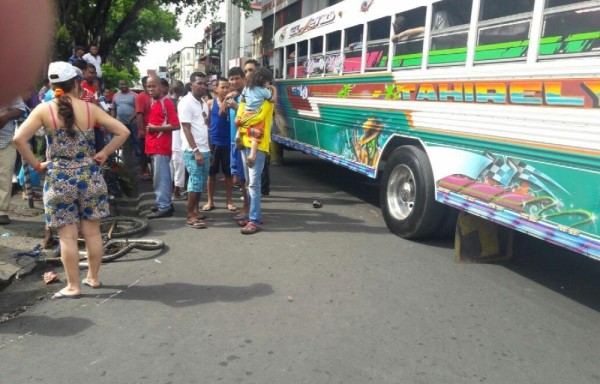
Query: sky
x=158, y=52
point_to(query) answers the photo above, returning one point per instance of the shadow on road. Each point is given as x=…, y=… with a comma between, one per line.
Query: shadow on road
x=48, y=326
x=318, y=172
x=185, y=295
x=573, y=275
x=317, y=221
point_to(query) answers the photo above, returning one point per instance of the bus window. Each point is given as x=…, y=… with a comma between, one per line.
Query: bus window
x=353, y=49
x=315, y=65
x=570, y=28
x=334, y=58
x=302, y=57
x=278, y=63
x=408, y=38
x=449, y=31
x=503, y=30
x=290, y=63
x=378, y=41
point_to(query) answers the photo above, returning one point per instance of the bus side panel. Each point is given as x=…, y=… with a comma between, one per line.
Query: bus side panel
x=484, y=155
x=547, y=200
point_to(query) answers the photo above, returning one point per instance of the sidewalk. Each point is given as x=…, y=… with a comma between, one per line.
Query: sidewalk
x=25, y=231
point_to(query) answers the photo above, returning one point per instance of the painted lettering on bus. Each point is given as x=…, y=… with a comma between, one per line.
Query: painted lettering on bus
x=553, y=96
x=313, y=23
x=569, y=93
x=593, y=89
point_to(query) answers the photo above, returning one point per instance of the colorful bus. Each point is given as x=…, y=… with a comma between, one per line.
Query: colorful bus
x=485, y=106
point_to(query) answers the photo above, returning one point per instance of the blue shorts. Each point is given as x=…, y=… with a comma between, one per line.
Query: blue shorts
x=198, y=173
x=237, y=167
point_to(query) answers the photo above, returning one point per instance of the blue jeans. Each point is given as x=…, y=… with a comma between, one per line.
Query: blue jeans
x=253, y=179
x=237, y=168
x=162, y=181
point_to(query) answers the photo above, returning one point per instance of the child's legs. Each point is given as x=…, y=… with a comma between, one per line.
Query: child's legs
x=253, y=149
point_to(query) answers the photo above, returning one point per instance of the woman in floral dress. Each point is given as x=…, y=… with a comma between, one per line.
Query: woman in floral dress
x=74, y=190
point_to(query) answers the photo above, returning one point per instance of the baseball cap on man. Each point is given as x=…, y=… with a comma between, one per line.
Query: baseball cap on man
x=60, y=71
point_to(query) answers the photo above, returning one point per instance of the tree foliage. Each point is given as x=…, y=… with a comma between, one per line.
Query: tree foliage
x=124, y=27
x=112, y=75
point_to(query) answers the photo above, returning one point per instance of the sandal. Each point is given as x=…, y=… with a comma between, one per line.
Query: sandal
x=231, y=207
x=250, y=228
x=49, y=277
x=60, y=295
x=208, y=207
x=196, y=224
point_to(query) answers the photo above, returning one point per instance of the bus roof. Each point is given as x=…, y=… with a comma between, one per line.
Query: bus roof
x=342, y=15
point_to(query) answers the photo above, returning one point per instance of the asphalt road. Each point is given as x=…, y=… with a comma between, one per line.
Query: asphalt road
x=320, y=296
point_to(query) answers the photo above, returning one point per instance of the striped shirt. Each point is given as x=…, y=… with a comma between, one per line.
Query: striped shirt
x=8, y=131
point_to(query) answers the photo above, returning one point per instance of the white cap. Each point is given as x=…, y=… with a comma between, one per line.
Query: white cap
x=61, y=71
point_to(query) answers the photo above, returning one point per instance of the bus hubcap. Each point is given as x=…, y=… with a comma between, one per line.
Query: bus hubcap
x=401, y=192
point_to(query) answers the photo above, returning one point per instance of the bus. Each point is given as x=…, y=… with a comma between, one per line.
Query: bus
x=484, y=106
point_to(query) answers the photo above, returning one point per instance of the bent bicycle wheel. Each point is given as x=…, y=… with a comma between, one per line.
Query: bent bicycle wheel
x=122, y=226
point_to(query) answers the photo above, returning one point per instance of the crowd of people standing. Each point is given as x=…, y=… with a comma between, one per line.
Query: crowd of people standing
x=172, y=133
x=194, y=126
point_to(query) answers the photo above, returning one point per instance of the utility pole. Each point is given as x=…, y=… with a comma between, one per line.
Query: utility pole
x=232, y=33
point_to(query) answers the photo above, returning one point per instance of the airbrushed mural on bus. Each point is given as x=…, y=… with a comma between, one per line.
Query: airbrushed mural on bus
x=501, y=119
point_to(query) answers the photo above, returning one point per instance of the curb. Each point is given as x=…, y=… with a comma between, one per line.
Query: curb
x=15, y=268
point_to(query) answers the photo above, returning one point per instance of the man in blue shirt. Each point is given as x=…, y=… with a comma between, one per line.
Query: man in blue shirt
x=77, y=54
x=220, y=145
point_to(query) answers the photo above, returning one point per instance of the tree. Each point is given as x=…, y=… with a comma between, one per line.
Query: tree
x=112, y=75
x=110, y=22
x=152, y=24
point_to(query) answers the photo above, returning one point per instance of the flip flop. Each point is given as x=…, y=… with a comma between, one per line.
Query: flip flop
x=50, y=276
x=196, y=224
x=231, y=207
x=207, y=207
x=85, y=282
x=59, y=295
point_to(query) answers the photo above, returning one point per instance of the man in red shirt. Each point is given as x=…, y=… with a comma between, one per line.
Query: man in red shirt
x=162, y=121
x=143, y=101
x=90, y=93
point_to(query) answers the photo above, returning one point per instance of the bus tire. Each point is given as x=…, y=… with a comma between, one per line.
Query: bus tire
x=408, y=194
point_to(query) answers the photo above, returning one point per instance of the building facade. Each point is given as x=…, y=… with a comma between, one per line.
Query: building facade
x=181, y=64
x=239, y=40
x=212, y=55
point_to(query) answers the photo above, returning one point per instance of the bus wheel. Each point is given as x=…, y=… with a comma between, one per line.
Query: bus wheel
x=408, y=195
